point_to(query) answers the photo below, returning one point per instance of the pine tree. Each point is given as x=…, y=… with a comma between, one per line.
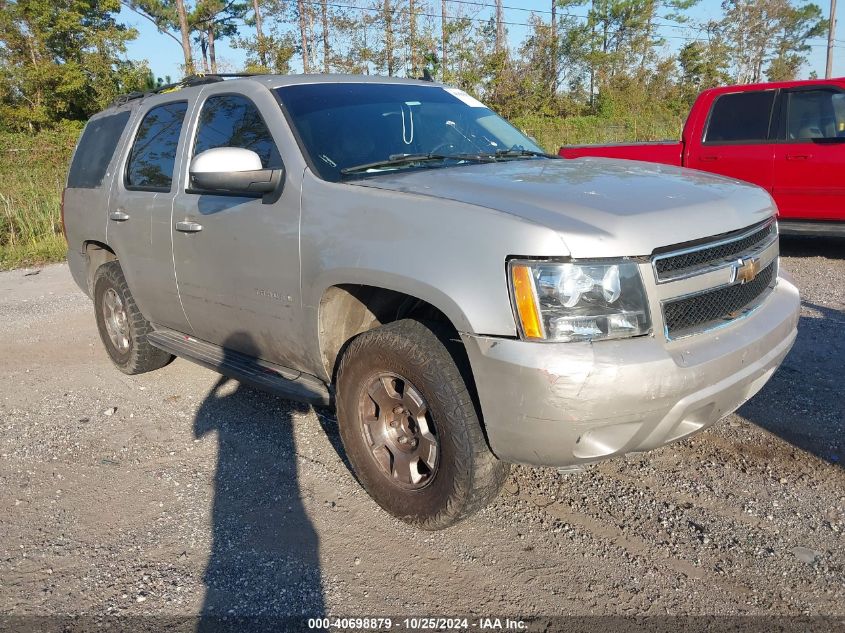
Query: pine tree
x=62, y=60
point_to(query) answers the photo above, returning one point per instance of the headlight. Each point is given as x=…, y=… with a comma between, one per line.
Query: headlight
x=578, y=302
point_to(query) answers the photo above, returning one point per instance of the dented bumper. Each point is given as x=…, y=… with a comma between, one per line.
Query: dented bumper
x=559, y=404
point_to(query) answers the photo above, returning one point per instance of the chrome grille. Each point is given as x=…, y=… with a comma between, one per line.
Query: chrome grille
x=709, y=309
x=690, y=261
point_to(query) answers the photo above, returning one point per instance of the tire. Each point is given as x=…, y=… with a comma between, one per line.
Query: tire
x=124, y=337
x=406, y=363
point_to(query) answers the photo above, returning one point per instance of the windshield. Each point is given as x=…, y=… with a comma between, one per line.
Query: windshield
x=346, y=126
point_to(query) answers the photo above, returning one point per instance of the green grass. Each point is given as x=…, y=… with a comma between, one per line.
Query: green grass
x=33, y=169
x=552, y=132
x=42, y=250
x=32, y=174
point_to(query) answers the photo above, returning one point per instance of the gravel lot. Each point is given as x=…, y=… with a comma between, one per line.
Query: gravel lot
x=178, y=493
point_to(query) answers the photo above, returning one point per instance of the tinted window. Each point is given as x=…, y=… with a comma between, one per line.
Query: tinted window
x=740, y=117
x=815, y=114
x=154, y=152
x=232, y=121
x=348, y=125
x=95, y=150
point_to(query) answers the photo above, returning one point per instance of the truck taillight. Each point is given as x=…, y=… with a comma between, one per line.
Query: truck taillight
x=62, y=212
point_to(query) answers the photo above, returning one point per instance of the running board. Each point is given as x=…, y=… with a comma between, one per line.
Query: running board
x=819, y=228
x=275, y=379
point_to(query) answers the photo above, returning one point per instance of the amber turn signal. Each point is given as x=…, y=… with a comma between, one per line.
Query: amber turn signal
x=525, y=298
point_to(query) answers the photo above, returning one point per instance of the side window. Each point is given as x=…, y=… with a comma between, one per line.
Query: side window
x=95, y=150
x=234, y=121
x=150, y=164
x=815, y=114
x=741, y=117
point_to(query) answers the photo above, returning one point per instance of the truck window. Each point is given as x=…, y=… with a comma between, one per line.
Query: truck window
x=741, y=117
x=150, y=164
x=234, y=121
x=815, y=114
x=95, y=150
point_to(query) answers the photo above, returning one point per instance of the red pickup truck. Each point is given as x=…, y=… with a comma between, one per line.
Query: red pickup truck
x=788, y=137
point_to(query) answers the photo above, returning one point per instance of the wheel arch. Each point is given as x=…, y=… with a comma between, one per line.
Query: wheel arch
x=96, y=254
x=349, y=309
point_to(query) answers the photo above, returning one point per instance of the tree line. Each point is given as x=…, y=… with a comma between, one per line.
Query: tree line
x=65, y=59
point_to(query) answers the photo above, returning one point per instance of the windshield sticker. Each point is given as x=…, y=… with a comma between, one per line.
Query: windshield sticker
x=406, y=138
x=472, y=102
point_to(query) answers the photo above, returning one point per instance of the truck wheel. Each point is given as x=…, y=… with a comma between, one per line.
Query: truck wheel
x=410, y=428
x=123, y=329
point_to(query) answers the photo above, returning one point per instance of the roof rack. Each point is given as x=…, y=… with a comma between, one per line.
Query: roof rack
x=187, y=82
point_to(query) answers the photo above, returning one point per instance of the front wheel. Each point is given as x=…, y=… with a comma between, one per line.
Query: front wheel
x=410, y=428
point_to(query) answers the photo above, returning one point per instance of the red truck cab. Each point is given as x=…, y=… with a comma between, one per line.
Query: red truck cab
x=788, y=138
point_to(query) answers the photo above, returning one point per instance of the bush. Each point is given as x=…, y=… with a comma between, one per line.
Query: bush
x=32, y=174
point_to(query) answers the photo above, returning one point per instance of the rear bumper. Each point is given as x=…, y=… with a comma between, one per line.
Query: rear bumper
x=559, y=404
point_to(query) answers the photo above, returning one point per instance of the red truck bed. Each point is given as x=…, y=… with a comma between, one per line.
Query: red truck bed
x=665, y=152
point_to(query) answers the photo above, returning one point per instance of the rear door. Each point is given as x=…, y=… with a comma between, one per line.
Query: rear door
x=140, y=208
x=809, y=174
x=238, y=266
x=737, y=140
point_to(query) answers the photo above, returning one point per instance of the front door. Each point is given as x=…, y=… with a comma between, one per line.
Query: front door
x=236, y=257
x=737, y=140
x=809, y=181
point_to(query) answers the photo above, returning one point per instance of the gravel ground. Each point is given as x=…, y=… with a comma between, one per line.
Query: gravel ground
x=177, y=493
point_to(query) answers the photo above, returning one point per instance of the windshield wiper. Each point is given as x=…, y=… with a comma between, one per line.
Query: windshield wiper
x=395, y=160
x=518, y=151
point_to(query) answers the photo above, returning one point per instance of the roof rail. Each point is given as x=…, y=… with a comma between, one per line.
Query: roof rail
x=187, y=82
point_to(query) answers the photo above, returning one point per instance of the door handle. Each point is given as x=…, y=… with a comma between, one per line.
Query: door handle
x=798, y=156
x=709, y=158
x=119, y=215
x=188, y=227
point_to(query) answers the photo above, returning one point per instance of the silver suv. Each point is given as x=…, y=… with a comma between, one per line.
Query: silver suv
x=396, y=250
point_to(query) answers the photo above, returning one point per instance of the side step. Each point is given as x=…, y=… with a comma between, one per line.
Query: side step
x=275, y=379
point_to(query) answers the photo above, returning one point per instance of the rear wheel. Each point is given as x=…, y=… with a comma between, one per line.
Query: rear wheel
x=410, y=428
x=123, y=329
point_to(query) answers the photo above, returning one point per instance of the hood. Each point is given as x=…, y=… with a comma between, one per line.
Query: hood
x=600, y=207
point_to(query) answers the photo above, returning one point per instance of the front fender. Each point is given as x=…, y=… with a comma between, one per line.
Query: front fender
x=451, y=254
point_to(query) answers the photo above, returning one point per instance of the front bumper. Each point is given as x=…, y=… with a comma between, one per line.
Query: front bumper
x=560, y=404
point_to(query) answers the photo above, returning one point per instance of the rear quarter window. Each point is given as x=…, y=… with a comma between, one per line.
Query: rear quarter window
x=95, y=150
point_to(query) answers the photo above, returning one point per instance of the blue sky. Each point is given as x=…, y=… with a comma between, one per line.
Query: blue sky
x=165, y=55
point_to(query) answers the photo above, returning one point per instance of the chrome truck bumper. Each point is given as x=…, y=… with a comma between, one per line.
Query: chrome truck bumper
x=560, y=404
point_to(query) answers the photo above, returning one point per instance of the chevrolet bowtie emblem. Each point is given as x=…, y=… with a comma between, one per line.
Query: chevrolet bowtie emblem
x=746, y=270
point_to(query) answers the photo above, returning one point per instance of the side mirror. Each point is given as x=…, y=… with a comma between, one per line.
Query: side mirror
x=234, y=170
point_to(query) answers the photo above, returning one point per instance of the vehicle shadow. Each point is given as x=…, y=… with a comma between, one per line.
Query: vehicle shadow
x=804, y=246
x=803, y=403
x=263, y=571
